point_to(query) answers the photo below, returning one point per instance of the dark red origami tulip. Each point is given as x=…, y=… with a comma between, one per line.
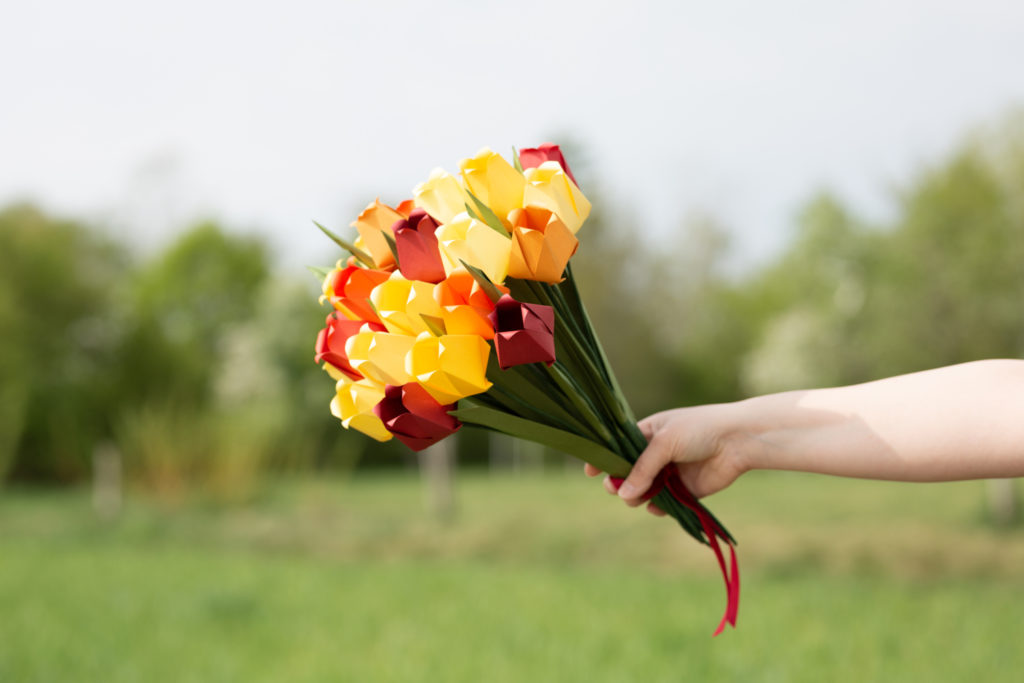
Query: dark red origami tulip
x=532, y=157
x=418, y=256
x=523, y=333
x=330, y=343
x=413, y=416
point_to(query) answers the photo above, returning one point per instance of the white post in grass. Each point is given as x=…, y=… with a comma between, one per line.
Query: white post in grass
x=106, y=480
x=437, y=467
x=1003, y=501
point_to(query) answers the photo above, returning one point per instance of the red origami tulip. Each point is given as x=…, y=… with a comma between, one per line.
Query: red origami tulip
x=535, y=156
x=418, y=255
x=523, y=333
x=414, y=417
x=330, y=343
x=348, y=289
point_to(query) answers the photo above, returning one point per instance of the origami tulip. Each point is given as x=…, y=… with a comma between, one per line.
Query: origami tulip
x=467, y=239
x=548, y=186
x=418, y=255
x=465, y=306
x=348, y=289
x=442, y=196
x=523, y=333
x=400, y=304
x=494, y=181
x=533, y=157
x=449, y=367
x=460, y=288
x=375, y=220
x=353, y=404
x=330, y=343
x=541, y=245
x=380, y=356
x=414, y=417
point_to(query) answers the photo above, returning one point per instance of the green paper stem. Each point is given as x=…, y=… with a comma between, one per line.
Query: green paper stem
x=567, y=442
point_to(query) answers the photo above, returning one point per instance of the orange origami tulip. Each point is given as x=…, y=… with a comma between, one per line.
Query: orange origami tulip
x=465, y=306
x=348, y=289
x=375, y=220
x=541, y=245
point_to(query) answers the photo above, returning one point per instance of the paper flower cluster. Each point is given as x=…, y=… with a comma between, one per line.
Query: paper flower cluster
x=459, y=306
x=415, y=306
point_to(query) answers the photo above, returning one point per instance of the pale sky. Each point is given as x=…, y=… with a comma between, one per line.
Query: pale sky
x=269, y=115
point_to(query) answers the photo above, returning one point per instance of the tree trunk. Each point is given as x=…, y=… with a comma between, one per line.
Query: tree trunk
x=1004, y=501
x=437, y=467
x=106, y=480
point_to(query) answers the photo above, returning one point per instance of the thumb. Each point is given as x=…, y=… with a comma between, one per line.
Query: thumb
x=653, y=460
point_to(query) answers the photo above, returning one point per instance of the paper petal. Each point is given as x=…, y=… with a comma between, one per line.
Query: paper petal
x=375, y=219
x=549, y=187
x=418, y=252
x=467, y=239
x=494, y=181
x=533, y=157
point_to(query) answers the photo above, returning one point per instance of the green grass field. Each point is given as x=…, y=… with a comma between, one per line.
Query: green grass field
x=538, y=578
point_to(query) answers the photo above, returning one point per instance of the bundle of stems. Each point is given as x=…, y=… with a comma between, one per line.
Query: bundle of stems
x=575, y=404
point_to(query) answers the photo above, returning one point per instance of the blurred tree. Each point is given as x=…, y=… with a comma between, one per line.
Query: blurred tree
x=806, y=307
x=182, y=303
x=269, y=368
x=60, y=332
x=940, y=285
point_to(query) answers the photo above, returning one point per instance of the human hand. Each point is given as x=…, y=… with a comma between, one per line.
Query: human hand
x=700, y=442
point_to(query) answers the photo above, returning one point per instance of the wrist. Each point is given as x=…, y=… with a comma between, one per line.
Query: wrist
x=741, y=436
x=767, y=432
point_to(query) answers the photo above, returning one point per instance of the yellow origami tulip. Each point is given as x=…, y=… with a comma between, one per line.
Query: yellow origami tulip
x=548, y=186
x=380, y=356
x=375, y=220
x=401, y=303
x=450, y=367
x=353, y=404
x=541, y=245
x=467, y=239
x=494, y=181
x=441, y=196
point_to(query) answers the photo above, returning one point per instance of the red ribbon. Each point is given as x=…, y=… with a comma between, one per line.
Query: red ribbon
x=669, y=478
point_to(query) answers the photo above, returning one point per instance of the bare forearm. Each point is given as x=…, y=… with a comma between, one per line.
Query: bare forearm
x=960, y=422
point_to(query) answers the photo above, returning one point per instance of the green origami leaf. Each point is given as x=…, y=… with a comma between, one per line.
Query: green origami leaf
x=584, y=449
x=389, y=238
x=487, y=216
x=321, y=273
x=492, y=292
x=515, y=159
x=350, y=248
x=434, y=324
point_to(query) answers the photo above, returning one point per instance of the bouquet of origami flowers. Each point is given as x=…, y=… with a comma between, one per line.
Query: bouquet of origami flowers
x=458, y=306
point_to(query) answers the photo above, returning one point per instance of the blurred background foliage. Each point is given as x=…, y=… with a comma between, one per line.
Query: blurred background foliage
x=180, y=382
x=196, y=361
